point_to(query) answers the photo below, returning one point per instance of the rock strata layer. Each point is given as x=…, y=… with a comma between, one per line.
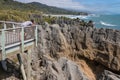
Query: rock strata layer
x=70, y=51
x=62, y=69
x=101, y=45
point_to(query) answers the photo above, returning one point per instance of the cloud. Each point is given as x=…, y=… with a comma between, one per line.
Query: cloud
x=60, y=3
x=83, y=5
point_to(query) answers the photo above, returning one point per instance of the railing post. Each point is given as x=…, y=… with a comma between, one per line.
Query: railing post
x=22, y=39
x=36, y=35
x=3, y=50
x=5, y=25
x=13, y=25
x=21, y=67
x=29, y=65
x=3, y=44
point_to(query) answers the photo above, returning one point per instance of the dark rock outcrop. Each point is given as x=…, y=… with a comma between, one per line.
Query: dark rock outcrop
x=107, y=75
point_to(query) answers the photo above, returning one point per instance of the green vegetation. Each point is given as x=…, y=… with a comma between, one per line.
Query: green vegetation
x=14, y=5
x=15, y=15
x=11, y=10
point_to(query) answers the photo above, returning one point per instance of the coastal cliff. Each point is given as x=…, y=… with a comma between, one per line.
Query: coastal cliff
x=72, y=50
x=75, y=52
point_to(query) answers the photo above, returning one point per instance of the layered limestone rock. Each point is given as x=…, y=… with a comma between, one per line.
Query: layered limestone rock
x=101, y=45
x=68, y=51
x=63, y=69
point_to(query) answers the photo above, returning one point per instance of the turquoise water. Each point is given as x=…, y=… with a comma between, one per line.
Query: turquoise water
x=103, y=21
x=106, y=21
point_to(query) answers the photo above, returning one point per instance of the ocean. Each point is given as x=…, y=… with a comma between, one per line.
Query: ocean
x=103, y=21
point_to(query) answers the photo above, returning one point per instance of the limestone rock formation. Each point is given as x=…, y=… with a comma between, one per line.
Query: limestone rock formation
x=62, y=69
x=76, y=51
x=75, y=41
x=101, y=45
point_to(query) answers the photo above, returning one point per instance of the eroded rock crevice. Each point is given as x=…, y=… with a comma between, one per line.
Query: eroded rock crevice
x=75, y=52
x=98, y=47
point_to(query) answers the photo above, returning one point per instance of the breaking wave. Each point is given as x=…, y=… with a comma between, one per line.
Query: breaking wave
x=80, y=16
x=107, y=24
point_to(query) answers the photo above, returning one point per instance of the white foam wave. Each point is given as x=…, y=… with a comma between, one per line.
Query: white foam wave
x=107, y=24
x=94, y=15
x=80, y=16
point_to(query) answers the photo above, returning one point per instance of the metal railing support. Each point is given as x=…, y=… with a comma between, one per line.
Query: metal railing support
x=36, y=35
x=13, y=26
x=22, y=39
x=29, y=65
x=3, y=50
x=3, y=44
x=21, y=66
x=5, y=27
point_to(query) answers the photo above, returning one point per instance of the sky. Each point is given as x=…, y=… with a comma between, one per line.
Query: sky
x=108, y=6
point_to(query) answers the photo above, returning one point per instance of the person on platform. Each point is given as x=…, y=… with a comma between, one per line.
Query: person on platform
x=26, y=24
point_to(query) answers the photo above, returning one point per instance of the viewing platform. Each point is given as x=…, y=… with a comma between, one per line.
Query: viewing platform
x=15, y=39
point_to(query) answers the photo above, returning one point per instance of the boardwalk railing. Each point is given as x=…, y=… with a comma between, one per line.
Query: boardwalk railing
x=16, y=34
x=14, y=37
x=8, y=24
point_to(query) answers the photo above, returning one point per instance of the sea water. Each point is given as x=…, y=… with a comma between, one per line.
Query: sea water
x=103, y=21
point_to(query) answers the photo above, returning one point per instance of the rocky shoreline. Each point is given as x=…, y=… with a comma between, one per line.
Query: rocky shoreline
x=73, y=50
